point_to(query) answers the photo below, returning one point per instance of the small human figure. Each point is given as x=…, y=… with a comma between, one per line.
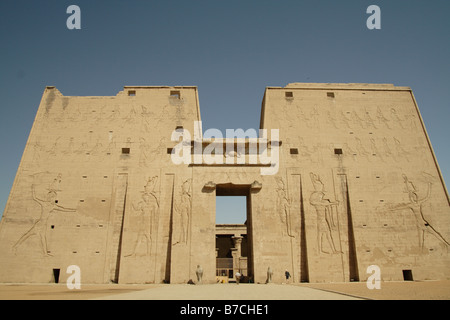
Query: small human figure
x=238, y=277
x=287, y=275
x=199, y=273
x=269, y=275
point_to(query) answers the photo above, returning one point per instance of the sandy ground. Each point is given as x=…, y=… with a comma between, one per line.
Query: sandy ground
x=420, y=290
x=401, y=290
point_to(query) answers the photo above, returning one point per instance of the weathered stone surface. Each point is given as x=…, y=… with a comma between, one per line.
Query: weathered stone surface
x=357, y=185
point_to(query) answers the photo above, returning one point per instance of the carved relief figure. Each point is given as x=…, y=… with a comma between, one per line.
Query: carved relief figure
x=396, y=118
x=387, y=150
x=374, y=149
x=53, y=148
x=410, y=119
x=332, y=120
x=369, y=121
x=314, y=117
x=349, y=151
x=183, y=210
x=305, y=151
x=111, y=145
x=143, y=147
x=98, y=145
x=361, y=150
x=324, y=209
x=48, y=206
x=401, y=152
x=147, y=210
x=284, y=206
x=357, y=119
x=345, y=120
x=415, y=206
x=382, y=119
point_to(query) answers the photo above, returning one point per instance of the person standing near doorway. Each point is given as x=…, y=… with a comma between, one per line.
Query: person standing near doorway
x=287, y=275
x=238, y=277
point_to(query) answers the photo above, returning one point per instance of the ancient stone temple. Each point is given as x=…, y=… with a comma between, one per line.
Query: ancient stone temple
x=342, y=178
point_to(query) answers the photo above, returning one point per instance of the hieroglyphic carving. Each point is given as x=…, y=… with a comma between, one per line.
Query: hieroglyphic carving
x=415, y=206
x=48, y=206
x=324, y=209
x=146, y=210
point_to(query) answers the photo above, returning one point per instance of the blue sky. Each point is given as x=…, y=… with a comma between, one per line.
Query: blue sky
x=230, y=49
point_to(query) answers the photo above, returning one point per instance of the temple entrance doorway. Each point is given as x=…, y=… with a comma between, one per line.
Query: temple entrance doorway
x=233, y=233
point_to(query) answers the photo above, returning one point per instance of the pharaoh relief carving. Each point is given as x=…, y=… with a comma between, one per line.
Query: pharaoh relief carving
x=48, y=206
x=146, y=212
x=325, y=209
x=415, y=207
x=182, y=210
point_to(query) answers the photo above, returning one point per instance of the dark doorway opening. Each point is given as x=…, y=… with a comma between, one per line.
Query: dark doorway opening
x=56, y=275
x=407, y=275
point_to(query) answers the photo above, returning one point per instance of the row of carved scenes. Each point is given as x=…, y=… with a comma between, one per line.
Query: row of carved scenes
x=114, y=112
x=362, y=118
x=381, y=149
